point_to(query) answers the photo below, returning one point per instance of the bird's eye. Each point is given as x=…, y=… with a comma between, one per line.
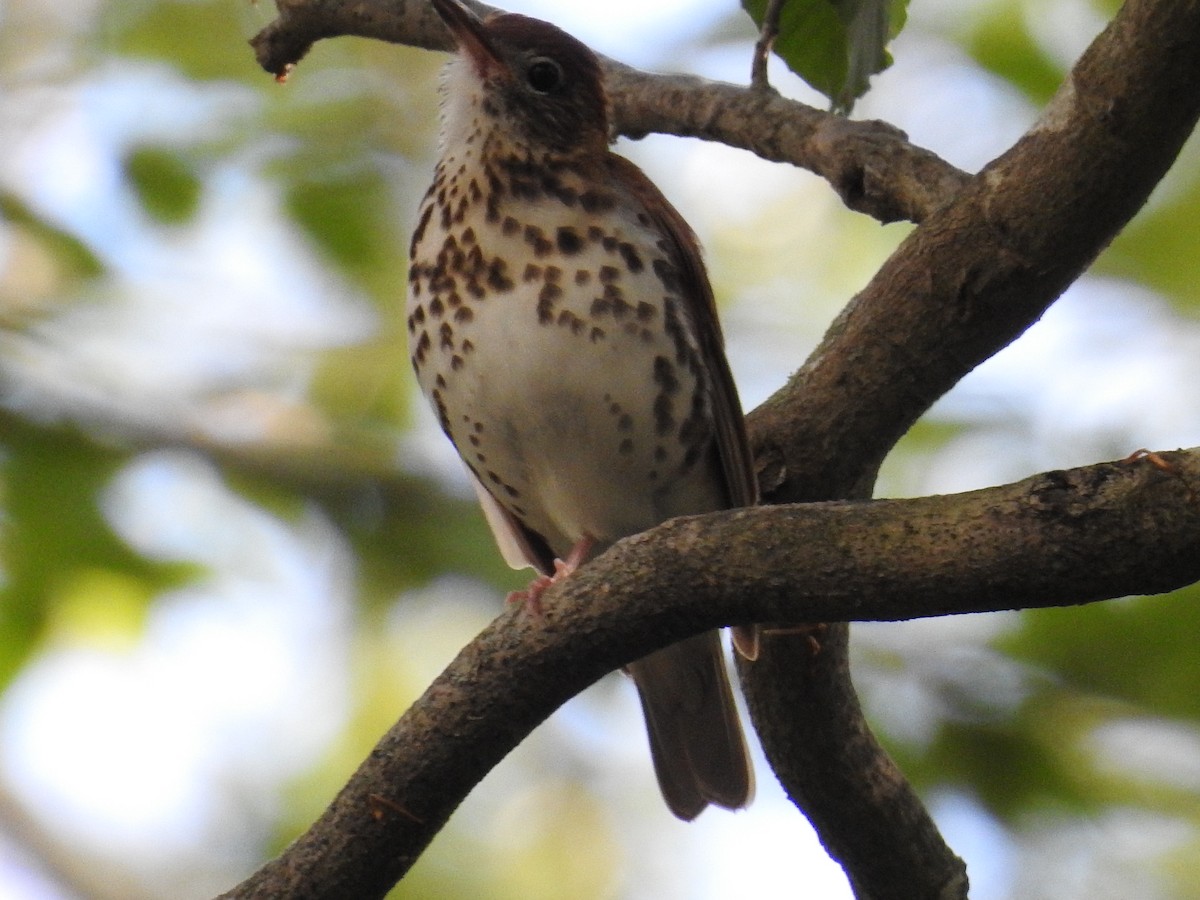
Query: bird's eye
x=544, y=75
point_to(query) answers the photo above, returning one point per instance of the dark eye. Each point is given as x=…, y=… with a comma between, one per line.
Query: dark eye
x=544, y=75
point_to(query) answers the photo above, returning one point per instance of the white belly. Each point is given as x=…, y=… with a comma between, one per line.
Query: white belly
x=564, y=392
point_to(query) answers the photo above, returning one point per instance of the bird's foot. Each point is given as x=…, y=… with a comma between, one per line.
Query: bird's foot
x=531, y=597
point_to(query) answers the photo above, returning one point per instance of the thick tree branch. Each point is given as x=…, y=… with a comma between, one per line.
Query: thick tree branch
x=871, y=165
x=966, y=283
x=1060, y=538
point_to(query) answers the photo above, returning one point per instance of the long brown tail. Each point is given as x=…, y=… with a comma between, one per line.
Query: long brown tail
x=696, y=739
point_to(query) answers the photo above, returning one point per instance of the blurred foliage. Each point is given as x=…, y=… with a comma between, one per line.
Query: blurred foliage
x=835, y=45
x=55, y=540
x=1002, y=44
x=70, y=255
x=329, y=169
x=1161, y=683
x=166, y=186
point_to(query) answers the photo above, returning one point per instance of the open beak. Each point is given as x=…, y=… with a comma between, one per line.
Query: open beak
x=469, y=33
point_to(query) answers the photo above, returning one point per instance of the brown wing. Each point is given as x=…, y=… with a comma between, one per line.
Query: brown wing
x=701, y=308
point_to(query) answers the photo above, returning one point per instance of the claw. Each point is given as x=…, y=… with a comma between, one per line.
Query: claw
x=531, y=597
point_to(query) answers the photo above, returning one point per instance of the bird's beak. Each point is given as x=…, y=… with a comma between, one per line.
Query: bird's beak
x=470, y=35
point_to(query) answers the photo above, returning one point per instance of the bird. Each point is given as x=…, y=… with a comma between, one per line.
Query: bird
x=563, y=328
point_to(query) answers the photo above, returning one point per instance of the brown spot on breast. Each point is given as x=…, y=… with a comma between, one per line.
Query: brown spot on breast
x=664, y=375
x=620, y=308
x=595, y=201
x=553, y=274
x=436, y=307
x=547, y=297
x=423, y=345
x=582, y=276
x=419, y=232
x=510, y=226
x=664, y=418
x=609, y=274
x=626, y=446
x=497, y=277
x=568, y=319
x=473, y=263
x=630, y=255
x=564, y=194
x=443, y=417
x=463, y=314
x=666, y=274
x=568, y=240
x=532, y=272
x=447, y=336
x=645, y=311
x=538, y=241
x=525, y=189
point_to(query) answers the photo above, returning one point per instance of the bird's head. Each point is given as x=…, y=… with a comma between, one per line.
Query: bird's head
x=542, y=88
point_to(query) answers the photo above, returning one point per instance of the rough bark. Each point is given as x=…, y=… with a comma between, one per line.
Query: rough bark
x=1055, y=539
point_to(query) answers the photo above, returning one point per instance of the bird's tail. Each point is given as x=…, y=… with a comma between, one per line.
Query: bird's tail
x=695, y=737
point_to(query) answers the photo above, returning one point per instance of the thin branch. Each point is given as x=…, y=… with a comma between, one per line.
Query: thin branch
x=870, y=164
x=1056, y=539
x=766, y=42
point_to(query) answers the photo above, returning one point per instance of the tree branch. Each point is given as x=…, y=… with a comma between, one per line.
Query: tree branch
x=1055, y=539
x=870, y=164
x=966, y=283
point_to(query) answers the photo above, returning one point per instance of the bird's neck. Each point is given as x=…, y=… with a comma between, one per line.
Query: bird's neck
x=475, y=132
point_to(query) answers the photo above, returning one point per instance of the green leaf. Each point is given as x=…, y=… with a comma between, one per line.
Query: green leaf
x=835, y=45
x=165, y=185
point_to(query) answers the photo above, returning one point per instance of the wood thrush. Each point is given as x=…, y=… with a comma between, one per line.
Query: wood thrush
x=562, y=325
